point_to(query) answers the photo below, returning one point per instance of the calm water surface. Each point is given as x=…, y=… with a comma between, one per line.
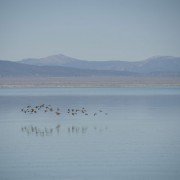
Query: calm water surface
x=136, y=136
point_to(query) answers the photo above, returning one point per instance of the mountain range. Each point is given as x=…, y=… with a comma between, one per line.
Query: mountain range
x=62, y=66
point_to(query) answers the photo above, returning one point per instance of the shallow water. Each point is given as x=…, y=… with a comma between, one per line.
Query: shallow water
x=138, y=138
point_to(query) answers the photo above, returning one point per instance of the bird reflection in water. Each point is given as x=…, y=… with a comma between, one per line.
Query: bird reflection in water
x=58, y=129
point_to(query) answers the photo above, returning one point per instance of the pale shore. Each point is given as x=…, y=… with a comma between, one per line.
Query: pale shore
x=38, y=82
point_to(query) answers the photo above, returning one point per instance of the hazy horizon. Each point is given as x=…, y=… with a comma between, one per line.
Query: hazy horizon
x=67, y=56
x=89, y=30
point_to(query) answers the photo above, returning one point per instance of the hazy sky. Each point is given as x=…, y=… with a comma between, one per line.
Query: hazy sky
x=89, y=29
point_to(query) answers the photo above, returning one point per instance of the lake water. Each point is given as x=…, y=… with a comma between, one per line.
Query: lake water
x=117, y=133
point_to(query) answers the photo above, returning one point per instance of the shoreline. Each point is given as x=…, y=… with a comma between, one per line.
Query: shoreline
x=99, y=86
x=89, y=82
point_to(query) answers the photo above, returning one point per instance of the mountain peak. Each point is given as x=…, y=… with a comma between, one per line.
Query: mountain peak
x=53, y=60
x=58, y=56
x=155, y=58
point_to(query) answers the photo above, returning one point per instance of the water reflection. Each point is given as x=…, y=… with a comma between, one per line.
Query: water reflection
x=58, y=129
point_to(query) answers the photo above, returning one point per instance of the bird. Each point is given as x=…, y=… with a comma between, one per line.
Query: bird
x=58, y=126
x=58, y=113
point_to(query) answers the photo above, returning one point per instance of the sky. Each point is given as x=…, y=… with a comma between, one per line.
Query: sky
x=89, y=29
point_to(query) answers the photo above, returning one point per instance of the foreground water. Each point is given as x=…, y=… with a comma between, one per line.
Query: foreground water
x=136, y=136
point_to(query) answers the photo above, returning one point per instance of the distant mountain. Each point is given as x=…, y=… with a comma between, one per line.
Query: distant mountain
x=61, y=66
x=15, y=69
x=154, y=65
x=55, y=60
x=66, y=61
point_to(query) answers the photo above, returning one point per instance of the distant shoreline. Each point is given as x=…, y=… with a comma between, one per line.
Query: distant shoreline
x=89, y=82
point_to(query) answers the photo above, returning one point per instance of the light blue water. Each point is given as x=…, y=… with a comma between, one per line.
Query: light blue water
x=139, y=138
x=89, y=91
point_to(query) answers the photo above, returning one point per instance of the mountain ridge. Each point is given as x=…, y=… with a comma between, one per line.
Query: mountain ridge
x=15, y=69
x=61, y=66
x=155, y=63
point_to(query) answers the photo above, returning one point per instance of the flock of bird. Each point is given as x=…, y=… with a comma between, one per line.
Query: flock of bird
x=31, y=129
x=48, y=108
x=34, y=130
x=42, y=107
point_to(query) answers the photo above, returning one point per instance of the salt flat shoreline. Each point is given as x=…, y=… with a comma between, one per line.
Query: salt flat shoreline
x=83, y=82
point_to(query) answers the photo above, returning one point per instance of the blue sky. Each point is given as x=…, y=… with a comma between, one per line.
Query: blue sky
x=89, y=29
